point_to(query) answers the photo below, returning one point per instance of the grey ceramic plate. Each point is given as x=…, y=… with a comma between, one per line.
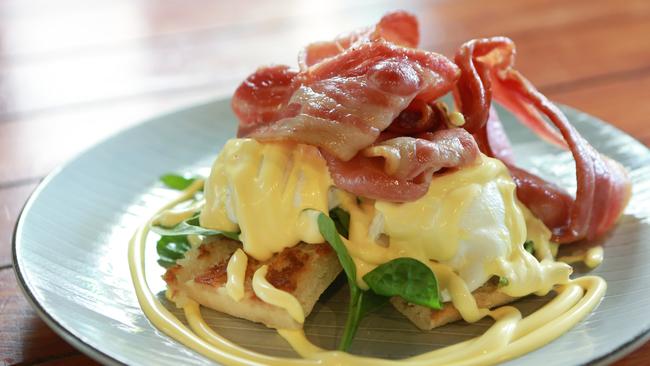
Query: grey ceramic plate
x=71, y=241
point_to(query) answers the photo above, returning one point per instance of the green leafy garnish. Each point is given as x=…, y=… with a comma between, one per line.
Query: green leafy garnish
x=191, y=227
x=529, y=246
x=173, y=242
x=327, y=229
x=341, y=219
x=370, y=302
x=407, y=278
x=355, y=309
x=171, y=248
x=363, y=303
x=175, y=181
x=503, y=281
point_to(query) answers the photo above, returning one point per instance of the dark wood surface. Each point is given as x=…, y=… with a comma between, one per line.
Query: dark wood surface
x=73, y=72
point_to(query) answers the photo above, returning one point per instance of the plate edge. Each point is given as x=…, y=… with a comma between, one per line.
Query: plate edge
x=52, y=323
x=616, y=354
x=23, y=284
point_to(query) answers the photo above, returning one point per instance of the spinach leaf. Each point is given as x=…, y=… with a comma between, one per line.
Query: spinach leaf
x=175, y=181
x=353, y=319
x=529, y=246
x=371, y=302
x=408, y=278
x=191, y=227
x=327, y=229
x=173, y=242
x=364, y=302
x=341, y=219
x=171, y=248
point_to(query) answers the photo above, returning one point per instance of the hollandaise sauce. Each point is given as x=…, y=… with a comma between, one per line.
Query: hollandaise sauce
x=592, y=257
x=476, y=209
x=269, y=294
x=236, y=271
x=274, y=181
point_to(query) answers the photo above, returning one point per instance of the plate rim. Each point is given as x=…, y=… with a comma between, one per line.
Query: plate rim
x=96, y=354
x=23, y=284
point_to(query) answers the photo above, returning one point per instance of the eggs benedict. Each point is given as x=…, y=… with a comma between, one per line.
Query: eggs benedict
x=352, y=164
x=469, y=222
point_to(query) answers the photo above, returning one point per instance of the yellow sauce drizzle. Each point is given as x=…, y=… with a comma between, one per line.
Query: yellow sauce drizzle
x=271, y=295
x=509, y=337
x=173, y=216
x=236, y=271
x=592, y=258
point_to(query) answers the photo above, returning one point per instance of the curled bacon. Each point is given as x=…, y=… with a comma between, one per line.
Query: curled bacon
x=549, y=202
x=262, y=96
x=493, y=140
x=370, y=88
x=603, y=187
x=400, y=169
x=419, y=117
x=344, y=102
x=398, y=27
x=484, y=64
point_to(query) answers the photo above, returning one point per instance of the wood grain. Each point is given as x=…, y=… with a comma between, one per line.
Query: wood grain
x=74, y=72
x=176, y=63
x=637, y=358
x=23, y=336
x=12, y=199
x=32, y=147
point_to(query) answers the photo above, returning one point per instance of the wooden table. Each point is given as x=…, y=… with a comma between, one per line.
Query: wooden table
x=74, y=71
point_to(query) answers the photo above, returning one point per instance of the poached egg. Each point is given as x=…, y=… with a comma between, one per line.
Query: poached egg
x=470, y=220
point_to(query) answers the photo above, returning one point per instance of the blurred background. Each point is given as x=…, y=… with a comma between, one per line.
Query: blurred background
x=73, y=72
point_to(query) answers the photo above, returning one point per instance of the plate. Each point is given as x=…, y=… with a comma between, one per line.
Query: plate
x=70, y=251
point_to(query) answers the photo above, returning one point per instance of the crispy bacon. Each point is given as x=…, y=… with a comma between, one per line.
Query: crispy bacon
x=603, y=187
x=547, y=201
x=370, y=88
x=493, y=140
x=398, y=27
x=343, y=103
x=261, y=97
x=400, y=169
x=479, y=60
x=419, y=117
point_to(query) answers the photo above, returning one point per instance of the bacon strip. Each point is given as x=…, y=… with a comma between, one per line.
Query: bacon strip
x=343, y=103
x=419, y=117
x=399, y=27
x=547, y=201
x=603, y=187
x=493, y=140
x=478, y=59
x=401, y=169
x=261, y=97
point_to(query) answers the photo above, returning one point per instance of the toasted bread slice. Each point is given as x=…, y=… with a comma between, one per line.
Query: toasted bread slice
x=304, y=271
x=486, y=296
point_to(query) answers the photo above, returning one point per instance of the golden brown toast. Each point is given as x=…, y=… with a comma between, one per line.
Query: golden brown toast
x=304, y=271
x=486, y=296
